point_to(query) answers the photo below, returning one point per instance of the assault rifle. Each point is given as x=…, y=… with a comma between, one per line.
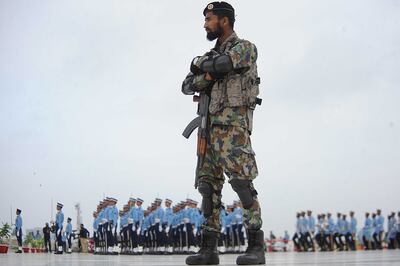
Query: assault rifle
x=200, y=122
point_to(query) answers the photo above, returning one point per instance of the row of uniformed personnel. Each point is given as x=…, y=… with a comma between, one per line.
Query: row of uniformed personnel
x=342, y=234
x=158, y=230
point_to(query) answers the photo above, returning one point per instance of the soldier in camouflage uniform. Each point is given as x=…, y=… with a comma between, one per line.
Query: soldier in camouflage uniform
x=230, y=70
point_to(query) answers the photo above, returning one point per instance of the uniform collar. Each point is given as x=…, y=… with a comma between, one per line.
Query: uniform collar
x=227, y=43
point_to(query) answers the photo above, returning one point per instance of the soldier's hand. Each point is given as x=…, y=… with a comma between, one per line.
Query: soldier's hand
x=208, y=77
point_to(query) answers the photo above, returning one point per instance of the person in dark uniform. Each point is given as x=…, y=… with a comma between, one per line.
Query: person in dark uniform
x=46, y=237
x=229, y=74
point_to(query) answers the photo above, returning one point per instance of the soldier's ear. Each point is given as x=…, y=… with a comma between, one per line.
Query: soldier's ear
x=226, y=21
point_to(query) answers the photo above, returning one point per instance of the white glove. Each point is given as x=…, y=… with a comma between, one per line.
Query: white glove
x=195, y=231
x=159, y=228
x=138, y=231
x=167, y=229
x=133, y=228
x=17, y=233
x=184, y=229
x=222, y=230
x=243, y=229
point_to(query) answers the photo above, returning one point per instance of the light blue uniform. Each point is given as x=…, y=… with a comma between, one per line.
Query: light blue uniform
x=18, y=230
x=303, y=225
x=67, y=235
x=60, y=219
x=311, y=224
x=18, y=222
x=298, y=225
x=145, y=225
x=353, y=225
x=380, y=220
x=237, y=216
x=286, y=237
x=139, y=216
x=228, y=220
x=331, y=226
x=341, y=226
x=68, y=229
x=346, y=227
x=168, y=216
x=123, y=220
x=392, y=228
x=175, y=221
x=367, y=230
x=158, y=215
x=200, y=221
x=102, y=216
x=151, y=218
x=112, y=215
x=185, y=215
x=222, y=219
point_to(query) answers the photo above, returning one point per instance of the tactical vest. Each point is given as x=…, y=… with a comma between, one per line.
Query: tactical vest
x=236, y=89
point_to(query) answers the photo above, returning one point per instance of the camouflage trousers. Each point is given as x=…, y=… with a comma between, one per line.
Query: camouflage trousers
x=229, y=153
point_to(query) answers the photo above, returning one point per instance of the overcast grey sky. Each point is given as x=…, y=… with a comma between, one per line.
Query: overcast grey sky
x=90, y=104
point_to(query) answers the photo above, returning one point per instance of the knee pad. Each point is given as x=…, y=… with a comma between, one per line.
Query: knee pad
x=206, y=190
x=245, y=191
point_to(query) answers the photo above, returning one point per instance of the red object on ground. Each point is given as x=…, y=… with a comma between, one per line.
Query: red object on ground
x=33, y=250
x=91, y=245
x=270, y=248
x=26, y=250
x=3, y=249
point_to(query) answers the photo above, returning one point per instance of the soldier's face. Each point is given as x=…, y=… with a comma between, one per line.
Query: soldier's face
x=212, y=26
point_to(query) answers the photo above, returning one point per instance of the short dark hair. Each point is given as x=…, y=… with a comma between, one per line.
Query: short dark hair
x=229, y=15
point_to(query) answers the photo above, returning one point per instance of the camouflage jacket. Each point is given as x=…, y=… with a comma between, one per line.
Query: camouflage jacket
x=233, y=97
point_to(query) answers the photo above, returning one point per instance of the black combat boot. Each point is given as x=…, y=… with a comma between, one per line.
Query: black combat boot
x=208, y=254
x=255, y=253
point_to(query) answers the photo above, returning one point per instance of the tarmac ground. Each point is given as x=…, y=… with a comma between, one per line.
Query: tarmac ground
x=381, y=257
